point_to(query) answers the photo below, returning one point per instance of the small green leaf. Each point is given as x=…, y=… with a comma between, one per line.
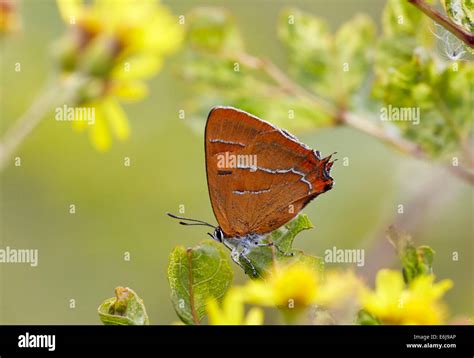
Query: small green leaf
x=354, y=43
x=331, y=65
x=410, y=75
x=213, y=29
x=366, y=319
x=125, y=309
x=461, y=12
x=195, y=275
x=264, y=258
x=415, y=261
x=284, y=237
x=465, y=17
x=426, y=256
x=309, y=45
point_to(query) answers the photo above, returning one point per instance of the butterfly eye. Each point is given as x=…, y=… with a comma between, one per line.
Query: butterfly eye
x=218, y=234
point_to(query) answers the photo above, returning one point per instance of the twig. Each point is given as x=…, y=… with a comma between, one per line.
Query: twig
x=57, y=94
x=369, y=127
x=285, y=82
x=444, y=21
x=344, y=117
x=403, y=145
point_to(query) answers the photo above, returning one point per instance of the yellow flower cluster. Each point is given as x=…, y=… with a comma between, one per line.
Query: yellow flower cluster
x=118, y=44
x=296, y=287
x=231, y=311
x=291, y=288
x=393, y=302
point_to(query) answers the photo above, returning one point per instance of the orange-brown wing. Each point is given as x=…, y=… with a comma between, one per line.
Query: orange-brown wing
x=259, y=177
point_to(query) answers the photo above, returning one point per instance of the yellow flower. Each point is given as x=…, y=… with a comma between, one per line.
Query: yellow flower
x=118, y=44
x=393, y=302
x=232, y=311
x=294, y=286
x=339, y=288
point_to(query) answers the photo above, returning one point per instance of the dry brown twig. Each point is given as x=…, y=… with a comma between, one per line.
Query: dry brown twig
x=444, y=21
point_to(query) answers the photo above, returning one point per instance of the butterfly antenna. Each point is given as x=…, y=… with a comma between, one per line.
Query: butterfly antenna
x=192, y=221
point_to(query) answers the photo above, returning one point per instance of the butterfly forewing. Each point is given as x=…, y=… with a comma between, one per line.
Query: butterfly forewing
x=259, y=177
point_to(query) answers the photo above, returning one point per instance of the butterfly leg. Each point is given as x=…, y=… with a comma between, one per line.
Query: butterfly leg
x=269, y=244
x=237, y=256
x=240, y=253
x=247, y=260
x=288, y=254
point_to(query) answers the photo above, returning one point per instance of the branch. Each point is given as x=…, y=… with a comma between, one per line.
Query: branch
x=444, y=21
x=350, y=119
x=369, y=127
x=286, y=83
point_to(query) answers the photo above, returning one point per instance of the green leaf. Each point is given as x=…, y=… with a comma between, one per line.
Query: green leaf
x=284, y=237
x=354, y=44
x=309, y=44
x=461, y=12
x=400, y=18
x=125, y=309
x=195, y=275
x=426, y=256
x=411, y=75
x=365, y=318
x=443, y=100
x=331, y=65
x=210, y=66
x=213, y=29
x=264, y=258
x=415, y=261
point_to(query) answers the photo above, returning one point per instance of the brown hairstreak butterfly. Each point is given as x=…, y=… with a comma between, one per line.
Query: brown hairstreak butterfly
x=259, y=178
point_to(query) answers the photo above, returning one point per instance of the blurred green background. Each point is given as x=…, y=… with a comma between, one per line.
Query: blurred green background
x=122, y=209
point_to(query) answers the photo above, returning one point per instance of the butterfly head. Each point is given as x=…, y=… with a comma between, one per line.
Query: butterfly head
x=218, y=234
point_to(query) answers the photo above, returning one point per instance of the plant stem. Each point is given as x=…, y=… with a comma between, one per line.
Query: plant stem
x=344, y=117
x=369, y=127
x=286, y=83
x=58, y=94
x=444, y=21
x=189, y=253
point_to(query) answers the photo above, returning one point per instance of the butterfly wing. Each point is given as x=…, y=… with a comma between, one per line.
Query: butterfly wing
x=259, y=177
